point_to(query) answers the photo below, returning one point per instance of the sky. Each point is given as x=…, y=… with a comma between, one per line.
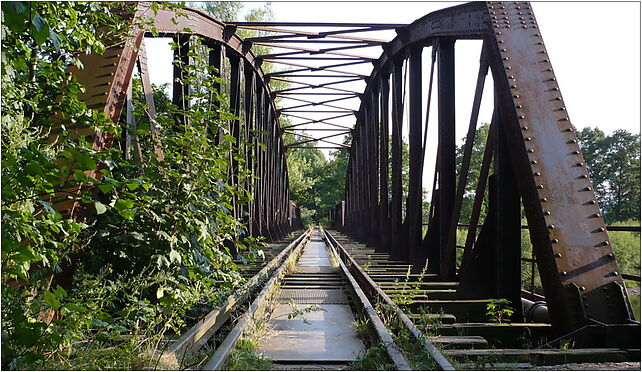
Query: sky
x=594, y=48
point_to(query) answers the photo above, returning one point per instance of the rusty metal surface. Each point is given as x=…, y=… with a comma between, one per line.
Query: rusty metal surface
x=107, y=78
x=567, y=229
x=534, y=144
x=532, y=133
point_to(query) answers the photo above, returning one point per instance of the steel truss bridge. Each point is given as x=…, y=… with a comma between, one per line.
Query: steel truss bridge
x=531, y=159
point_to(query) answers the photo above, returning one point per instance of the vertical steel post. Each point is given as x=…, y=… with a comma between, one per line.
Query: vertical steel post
x=396, y=250
x=508, y=250
x=249, y=137
x=384, y=220
x=414, y=203
x=373, y=132
x=446, y=138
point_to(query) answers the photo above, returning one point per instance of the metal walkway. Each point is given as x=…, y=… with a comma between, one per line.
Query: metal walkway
x=324, y=332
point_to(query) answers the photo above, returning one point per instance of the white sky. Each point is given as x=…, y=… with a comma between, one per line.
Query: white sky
x=594, y=48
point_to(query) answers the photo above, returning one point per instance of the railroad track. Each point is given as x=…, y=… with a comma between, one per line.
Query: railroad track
x=212, y=328
x=460, y=328
x=322, y=301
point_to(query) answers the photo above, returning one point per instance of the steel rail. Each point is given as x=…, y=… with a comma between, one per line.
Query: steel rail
x=194, y=338
x=218, y=359
x=384, y=336
x=374, y=290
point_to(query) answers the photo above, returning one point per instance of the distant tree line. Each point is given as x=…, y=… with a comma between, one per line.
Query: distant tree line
x=613, y=162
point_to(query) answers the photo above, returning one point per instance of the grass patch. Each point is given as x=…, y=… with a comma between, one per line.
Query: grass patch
x=245, y=357
x=411, y=348
x=375, y=359
x=134, y=353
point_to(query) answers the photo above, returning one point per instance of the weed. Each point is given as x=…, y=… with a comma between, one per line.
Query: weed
x=362, y=328
x=300, y=312
x=374, y=359
x=404, y=297
x=567, y=344
x=499, y=311
x=245, y=357
x=428, y=322
x=409, y=291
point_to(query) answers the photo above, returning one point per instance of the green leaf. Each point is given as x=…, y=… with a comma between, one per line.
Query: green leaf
x=73, y=307
x=48, y=207
x=60, y=292
x=55, y=39
x=85, y=162
x=34, y=169
x=39, y=29
x=123, y=204
x=100, y=207
x=52, y=300
x=80, y=176
x=106, y=188
x=128, y=214
x=15, y=14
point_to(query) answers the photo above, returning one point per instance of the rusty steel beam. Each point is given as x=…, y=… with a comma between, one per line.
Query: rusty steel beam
x=397, y=250
x=414, y=203
x=384, y=208
x=446, y=139
x=537, y=160
x=573, y=251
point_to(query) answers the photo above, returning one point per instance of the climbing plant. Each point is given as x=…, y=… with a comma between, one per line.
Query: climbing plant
x=104, y=291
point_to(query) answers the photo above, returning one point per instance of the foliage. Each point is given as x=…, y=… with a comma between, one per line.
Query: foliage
x=245, y=357
x=481, y=134
x=226, y=11
x=614, y=166
x=374, y=359
x=499, y=310
x=296, y=311
x=153, y=256
x=316, y=184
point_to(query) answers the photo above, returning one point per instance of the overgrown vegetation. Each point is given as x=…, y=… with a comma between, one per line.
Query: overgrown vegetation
x=316, y=184
x=499, y=310
x=246, y=358
x=155, y=253
x=412, y=349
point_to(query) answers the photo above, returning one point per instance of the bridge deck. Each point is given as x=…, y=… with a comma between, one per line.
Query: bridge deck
x=312, y=322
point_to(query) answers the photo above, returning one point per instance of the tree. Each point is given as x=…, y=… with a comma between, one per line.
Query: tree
x=153, y=256
x=613, y=162
x=481, y=134
x=226, y=11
